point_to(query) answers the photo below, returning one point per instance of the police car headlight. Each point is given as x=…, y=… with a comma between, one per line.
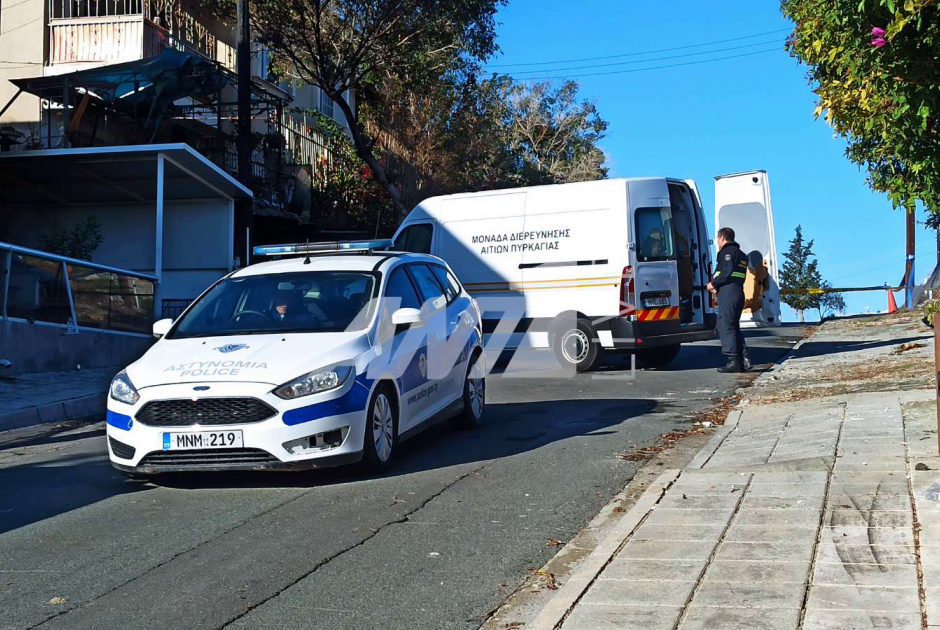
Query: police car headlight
x=314, y=383
x=123, y=390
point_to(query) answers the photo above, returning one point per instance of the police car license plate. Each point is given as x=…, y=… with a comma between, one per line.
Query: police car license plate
x=656, y=301
x=202, y=439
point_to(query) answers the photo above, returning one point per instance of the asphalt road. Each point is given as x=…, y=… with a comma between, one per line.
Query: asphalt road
x=436, y=543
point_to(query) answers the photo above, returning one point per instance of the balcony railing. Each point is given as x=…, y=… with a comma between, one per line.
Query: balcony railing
x=305, y=146
x=65, y=9
x=44, y=287
x=113, y=31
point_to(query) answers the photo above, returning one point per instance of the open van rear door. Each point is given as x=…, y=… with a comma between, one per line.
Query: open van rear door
x=653, y=241
x=742, y=202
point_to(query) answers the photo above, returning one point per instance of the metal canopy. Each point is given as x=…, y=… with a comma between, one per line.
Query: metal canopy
x=112, y=175
x=169, y=76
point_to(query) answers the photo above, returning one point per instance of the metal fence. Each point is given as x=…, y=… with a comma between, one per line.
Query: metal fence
x=44, y=287
x=174, y=307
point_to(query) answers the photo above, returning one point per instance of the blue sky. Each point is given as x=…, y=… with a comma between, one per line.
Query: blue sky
x=698, y=121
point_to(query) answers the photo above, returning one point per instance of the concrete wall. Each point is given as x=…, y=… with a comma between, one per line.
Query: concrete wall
x=42, y=348
x=196, y=238
x=22, y=49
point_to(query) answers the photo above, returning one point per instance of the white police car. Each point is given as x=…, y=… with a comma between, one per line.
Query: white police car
x=304, y=362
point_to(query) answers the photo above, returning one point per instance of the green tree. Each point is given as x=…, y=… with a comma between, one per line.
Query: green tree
x=465, y=134
x=342, y=45
x=829, y=304
x=444, y=139
x=875, y=67
x=553, y=134
x=80, y=242
x=460, y=134
x=800, y=272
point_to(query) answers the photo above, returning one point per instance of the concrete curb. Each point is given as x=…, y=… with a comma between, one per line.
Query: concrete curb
x=766, y=376
x=71, y=409
x=572, y=590
x=735, y=415
x=702, y=457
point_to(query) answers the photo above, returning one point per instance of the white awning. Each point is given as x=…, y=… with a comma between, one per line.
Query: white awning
x=123, y=174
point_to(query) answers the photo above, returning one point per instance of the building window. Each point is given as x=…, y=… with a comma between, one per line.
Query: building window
x=326, y=104
x=264, y=61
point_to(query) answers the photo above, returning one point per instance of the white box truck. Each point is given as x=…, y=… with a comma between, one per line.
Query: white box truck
x=618, y=264
x=742, y=202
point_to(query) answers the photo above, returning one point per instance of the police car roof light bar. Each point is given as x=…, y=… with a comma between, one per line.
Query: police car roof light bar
x=326, y=247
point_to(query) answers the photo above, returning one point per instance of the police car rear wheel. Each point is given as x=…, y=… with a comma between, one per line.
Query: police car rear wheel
x=577, y=348
x=659, y=357
x=474, y=396
x=381, y=432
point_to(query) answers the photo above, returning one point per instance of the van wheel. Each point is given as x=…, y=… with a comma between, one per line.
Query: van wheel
x=381, y=431
x=659, y=357
x=577, y=348
x=474, y=397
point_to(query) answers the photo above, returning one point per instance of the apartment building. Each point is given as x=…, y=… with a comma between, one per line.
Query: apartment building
x=81, y=73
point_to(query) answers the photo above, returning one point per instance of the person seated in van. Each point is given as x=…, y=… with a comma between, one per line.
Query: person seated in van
x=655, y=245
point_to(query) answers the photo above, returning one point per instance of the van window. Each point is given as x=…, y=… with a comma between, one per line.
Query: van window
x=654, y=234
x=428, y=286
x=415, y=239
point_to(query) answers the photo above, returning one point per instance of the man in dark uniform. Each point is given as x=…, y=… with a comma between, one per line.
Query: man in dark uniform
x=728, y=283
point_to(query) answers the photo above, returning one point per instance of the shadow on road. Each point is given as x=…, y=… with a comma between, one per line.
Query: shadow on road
x=819, y=348
x=32, y=492
x=541, y=363
x=55, y=482
x=510, y=429
x=36, y=491
x=61, y=436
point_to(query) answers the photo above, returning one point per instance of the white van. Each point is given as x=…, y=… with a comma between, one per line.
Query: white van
x=618, y=264
x=742, y=202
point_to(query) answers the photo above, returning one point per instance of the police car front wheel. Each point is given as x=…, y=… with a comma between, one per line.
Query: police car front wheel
x=381, y=431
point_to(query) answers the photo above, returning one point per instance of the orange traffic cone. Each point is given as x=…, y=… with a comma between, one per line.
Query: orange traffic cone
x=892, y=305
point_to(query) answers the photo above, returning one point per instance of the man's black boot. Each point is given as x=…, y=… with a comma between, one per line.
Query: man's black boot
x=733, y=366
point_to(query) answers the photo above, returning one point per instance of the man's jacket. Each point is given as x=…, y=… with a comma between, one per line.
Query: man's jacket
x=732, y=266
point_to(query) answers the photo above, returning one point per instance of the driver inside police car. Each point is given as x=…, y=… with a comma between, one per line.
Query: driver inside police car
x=287, y=305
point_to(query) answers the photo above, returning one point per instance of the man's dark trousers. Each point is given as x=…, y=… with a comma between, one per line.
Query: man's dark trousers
x=730, y=306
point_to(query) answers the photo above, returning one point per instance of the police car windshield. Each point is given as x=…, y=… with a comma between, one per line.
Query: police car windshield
x=303, y=302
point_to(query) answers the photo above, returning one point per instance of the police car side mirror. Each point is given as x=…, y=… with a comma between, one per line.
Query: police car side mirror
x=408, y=318
x=162, y=327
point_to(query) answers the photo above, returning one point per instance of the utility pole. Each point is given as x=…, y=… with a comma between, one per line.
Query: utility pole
x=938, y=247
x=244, y=219
x=911, y=229
x=908, y=280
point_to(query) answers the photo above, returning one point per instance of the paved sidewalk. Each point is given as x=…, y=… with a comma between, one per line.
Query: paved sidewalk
x=802, y=512
x=32, y=399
